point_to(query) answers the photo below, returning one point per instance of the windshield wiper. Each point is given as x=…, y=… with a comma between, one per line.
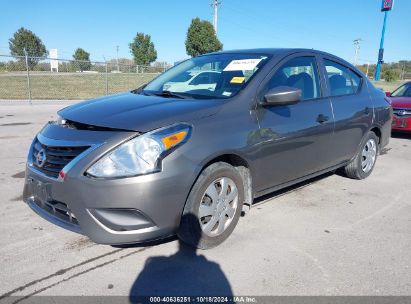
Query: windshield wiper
x=170, y=94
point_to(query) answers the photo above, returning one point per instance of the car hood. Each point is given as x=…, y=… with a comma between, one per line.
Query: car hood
x=134, y=112
x=401, y=102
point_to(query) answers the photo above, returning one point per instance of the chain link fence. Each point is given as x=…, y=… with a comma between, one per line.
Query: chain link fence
x=29, y=78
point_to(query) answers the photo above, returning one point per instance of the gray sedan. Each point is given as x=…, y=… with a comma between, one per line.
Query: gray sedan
x=153, y=162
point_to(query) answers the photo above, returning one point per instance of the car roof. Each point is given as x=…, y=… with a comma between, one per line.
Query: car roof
x=284, y=52
x=206, y=71
x=271, y=51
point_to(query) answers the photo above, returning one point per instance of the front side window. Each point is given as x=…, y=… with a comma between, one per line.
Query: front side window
x=402, y=91
x=341, y=80
x=300, y=73
x=210, y=76
x=206, y=78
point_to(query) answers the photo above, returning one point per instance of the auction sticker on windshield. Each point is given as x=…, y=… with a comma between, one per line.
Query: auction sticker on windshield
x=237, y=80
x=242, y=65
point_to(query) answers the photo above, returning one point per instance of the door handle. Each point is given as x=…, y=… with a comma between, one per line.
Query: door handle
x=322, y=118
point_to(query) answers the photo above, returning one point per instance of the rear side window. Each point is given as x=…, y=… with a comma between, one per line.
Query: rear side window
x=341, y=80
x=182, y=77
x=206, y=78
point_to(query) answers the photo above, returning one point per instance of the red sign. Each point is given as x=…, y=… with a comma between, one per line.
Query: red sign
x=387, y=5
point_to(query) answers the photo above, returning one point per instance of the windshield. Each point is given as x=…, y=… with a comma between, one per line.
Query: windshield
x=209, y=76
x=402, y=91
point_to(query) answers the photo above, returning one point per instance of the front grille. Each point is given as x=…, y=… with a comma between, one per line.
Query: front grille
x=54, y=158
x=58, y=209
x=402, y=112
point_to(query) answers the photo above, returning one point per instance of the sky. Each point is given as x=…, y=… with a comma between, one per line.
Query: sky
x=99, y=26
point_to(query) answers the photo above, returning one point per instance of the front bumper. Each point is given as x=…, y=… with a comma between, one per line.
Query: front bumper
x=401, y=123
x=109, y=211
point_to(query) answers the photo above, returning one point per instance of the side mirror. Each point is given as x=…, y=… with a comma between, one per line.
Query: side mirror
x=388, y=94
x=282, y=96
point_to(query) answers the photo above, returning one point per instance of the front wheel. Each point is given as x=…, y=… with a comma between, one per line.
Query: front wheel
x=213, y=207
x=363, y=163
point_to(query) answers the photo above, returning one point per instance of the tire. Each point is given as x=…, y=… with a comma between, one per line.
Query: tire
x=359, y=168
x=208, y=218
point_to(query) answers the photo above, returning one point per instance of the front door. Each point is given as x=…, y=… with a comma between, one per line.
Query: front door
x=294, y=139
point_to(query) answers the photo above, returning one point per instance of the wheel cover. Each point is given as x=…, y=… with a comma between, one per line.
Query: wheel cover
x=368, y=155
x=218, y=206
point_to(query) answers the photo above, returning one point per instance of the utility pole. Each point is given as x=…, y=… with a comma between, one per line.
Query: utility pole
x=215, y=4
x=118, y=67
x=387, y=5
x=357, y=50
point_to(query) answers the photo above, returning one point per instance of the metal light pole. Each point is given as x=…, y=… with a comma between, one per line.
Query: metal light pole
x=386, y=7
x=106, y=65
x=28, y=73
x=214, y=5
x=357, y=50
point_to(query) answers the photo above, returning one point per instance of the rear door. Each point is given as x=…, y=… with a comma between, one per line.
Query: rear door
x=295, y=139
x=353, y=111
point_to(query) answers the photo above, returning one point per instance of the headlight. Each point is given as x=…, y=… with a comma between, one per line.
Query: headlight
x=142, y=154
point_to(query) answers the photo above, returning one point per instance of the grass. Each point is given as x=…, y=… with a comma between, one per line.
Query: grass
x=83, y=86
x=388, y=86
x=69, y=86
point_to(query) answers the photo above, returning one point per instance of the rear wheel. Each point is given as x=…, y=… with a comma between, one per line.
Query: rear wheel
x=213, y=207
x=363, y=164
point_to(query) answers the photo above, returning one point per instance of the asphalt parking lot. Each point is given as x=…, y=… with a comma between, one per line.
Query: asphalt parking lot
x=331, y=236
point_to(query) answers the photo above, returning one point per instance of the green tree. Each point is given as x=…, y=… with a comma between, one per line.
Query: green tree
x=82, y=59
x=143, y=50
x=391, y=75
x=201, y=38
x=25, y=39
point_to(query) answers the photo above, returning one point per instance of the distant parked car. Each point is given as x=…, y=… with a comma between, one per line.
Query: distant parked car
x=187, y=81
x=401, y=104
x=159, y=161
